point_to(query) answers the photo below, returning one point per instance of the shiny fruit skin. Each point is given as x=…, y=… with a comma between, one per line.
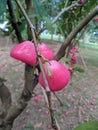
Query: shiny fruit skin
x=24, y=52
x=59, y=77
x=46, y=52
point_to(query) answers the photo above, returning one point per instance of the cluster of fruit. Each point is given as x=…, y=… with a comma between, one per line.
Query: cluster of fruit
x=81, y=2
x=73, y=58
x=95, y=19
x=57, y=74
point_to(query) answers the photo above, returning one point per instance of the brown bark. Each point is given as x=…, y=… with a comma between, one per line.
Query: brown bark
x=5, y=96
x=11, y=111
x=14, y=21
x=28, y=10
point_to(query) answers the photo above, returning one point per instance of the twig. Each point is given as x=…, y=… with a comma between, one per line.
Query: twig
x=61, y=104
x=79, y=112
x=40, y=64
x=55, y=125
x=14, y=21
x=83, y=61
x=65, y=9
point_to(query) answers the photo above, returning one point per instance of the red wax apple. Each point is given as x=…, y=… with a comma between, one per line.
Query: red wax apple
x=45, y=51
x=57, y=76
x=74, y=59
x=74, y=7
x=95, y=19
x=24, y=52
x=81, y=2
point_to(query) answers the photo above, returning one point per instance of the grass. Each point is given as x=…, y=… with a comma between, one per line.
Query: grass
x=90, y=45
x=90, y=55
x=54, y=38
x=89, y=49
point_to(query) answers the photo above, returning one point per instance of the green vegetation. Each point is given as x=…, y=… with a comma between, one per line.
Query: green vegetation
x=91, y=125
x=90, y=46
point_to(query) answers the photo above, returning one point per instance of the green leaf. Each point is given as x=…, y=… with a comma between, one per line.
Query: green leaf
x=3, y=4
x=79, y=69
x=66, y=60
x=48, y=24
x=91, y=125
x=2, y=79
x=39, y=9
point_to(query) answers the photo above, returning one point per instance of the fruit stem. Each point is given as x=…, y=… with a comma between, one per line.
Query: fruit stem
x=48, y=70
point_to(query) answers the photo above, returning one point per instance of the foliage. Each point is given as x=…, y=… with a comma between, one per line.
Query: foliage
x=91, y=125
x=44, y=13
x=2, y=79
x=73, y=16
x=92, y=29
x=2, y=6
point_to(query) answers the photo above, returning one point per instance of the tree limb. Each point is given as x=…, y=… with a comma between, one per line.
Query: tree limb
x=16, y=109
x=21, y=103
x=5, y=97
x=74, y=32
x=65, y=9
x=54, y=124
x=14, y=21
x=11, y=111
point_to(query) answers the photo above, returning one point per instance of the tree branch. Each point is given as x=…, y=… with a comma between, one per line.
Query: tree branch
x=21, y=103
x=14, y=21
x=40, y=64
x=35, y=41
x=74, y=32
x=65, y=9
x=5, y=96
x=13, y=110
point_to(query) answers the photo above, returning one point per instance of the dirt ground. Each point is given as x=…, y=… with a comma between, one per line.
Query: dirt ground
x=80, y=98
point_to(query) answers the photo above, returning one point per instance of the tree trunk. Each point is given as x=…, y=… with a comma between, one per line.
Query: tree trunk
x=11, y=111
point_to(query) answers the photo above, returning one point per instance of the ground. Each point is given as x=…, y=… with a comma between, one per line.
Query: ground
x=80, y=98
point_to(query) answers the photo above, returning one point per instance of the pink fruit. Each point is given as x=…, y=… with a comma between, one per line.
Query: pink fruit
x=74, y=59
x=81, y=2
x=76, y=47
x=72, y=51
x=71, y=69
x=24, y=52
x=37, y=98
x=59, y=77
x=75, y=7
x=95, y=19
x=45, y=51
